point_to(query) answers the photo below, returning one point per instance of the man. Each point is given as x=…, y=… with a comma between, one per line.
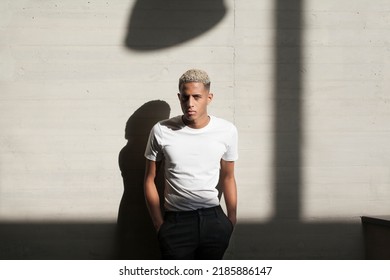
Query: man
x=198, y=151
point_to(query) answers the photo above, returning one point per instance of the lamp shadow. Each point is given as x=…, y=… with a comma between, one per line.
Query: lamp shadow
x=156, y=24
x=136, y=237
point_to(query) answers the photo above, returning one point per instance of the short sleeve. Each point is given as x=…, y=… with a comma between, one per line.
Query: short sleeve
x=231, y=153
x=153, y=149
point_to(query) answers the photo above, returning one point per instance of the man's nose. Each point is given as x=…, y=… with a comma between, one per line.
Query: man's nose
x=190, y=101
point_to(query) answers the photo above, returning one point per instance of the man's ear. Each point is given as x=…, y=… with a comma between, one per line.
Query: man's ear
x=210, y=97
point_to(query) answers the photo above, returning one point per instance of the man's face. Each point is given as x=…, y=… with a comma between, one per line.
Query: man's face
x=194, y=98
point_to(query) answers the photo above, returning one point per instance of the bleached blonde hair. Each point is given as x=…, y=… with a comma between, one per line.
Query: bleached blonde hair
x=197, y=76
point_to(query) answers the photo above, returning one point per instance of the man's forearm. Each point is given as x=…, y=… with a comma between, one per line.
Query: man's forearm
x=153, y=203
x=230, y=195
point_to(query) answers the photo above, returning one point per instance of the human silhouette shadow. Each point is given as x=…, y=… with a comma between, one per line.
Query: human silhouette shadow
x=156, y=24
x=136, y=236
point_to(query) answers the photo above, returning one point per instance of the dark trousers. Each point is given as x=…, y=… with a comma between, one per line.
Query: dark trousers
x=199, y=234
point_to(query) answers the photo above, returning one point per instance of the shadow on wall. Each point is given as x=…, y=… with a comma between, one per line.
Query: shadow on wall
x=290, y=240
x=136, y=237
x=288, y=95
x=57, y=241
x=95, y=241
x=132, y=237
x=156, y=24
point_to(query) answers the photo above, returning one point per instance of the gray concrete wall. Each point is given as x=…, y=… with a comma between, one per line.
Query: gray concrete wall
x=81, y=83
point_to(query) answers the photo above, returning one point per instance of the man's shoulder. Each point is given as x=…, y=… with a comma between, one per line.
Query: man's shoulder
x=174, y=123
x=223, y=123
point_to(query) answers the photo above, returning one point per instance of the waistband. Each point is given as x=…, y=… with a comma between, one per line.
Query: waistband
x=201, y=211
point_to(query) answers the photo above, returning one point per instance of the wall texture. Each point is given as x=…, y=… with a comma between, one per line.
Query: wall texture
x=82, y=82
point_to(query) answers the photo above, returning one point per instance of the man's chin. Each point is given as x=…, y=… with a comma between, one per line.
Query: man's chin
x=188, y=119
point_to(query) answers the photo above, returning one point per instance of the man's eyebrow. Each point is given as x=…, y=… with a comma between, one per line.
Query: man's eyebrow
x=194, y=94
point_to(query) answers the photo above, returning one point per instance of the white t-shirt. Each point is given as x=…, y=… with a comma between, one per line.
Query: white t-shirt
x=192, y=160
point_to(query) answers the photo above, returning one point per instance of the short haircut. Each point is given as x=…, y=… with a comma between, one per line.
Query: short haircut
x=195, y=76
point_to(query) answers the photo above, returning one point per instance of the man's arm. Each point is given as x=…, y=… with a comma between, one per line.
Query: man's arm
x=151, y=194
x=229, y=188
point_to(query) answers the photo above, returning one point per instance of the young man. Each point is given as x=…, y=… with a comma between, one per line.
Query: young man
x=198, y=151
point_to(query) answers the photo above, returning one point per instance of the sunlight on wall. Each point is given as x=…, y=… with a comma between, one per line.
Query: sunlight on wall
x=253, y=115
x=347, y=111
x=69, y=85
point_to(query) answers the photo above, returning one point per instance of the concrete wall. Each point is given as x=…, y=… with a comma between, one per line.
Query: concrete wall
x=81, y=83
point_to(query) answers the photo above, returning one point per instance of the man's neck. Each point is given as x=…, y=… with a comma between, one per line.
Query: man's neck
x=197, y=124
